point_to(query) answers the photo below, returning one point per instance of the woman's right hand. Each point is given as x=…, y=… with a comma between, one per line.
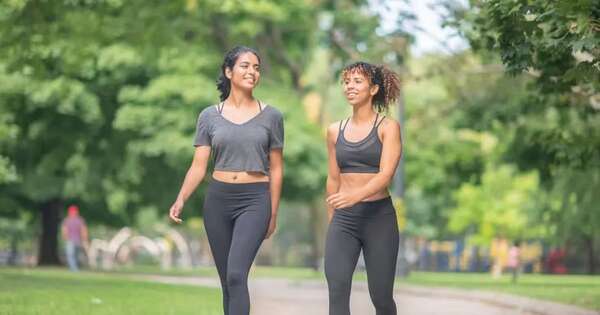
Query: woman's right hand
x=175, y=211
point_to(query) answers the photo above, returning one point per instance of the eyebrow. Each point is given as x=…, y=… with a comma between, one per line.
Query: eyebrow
x=248, y=63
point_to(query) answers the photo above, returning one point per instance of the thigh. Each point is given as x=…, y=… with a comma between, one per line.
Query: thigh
x=342, y=248
x=380, y=249
x=249, y=230
x=219, y=228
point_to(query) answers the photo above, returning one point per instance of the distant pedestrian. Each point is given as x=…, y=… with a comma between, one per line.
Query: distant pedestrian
x=75, y=235
x=514, y=260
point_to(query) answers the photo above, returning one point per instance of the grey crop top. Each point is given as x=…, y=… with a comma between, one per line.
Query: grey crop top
x=362, y=156
x=240, y=147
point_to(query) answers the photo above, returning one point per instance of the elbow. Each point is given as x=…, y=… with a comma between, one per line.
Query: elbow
x=276, y=174
x=332, y=183
x=276, y=170
x=387, y=178
x=331, y=179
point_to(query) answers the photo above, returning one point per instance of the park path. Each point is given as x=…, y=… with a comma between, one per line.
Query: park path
x=299, y=298
x=309, y=297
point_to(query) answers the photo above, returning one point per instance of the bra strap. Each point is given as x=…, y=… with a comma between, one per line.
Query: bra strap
x=259, y=105
x=220, y=107
x=379, y=123
x=375, y=122
x=346, y=124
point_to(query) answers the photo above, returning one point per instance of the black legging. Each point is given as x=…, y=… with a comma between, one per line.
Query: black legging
x=236, y=218
x=372, y=227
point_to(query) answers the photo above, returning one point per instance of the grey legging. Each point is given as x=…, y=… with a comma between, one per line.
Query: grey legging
x=236, y=218
x=372, y=227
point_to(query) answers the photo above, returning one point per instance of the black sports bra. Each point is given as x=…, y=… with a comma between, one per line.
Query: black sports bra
x=362, y=156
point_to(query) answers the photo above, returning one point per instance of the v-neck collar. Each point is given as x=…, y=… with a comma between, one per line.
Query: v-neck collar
x=245, y=122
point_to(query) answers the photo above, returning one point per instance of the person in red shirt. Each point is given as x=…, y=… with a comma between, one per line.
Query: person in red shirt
x=75, y=235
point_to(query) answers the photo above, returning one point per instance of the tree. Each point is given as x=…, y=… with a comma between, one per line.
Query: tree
x=500, y=205
x=556, y=126
x=60, y=84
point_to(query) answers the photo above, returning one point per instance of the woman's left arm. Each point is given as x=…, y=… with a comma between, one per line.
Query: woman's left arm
x=276, y=180
x=390, y=156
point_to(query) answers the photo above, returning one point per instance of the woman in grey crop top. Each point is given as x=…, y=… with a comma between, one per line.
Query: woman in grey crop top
x=364, y=151
x=245, y=137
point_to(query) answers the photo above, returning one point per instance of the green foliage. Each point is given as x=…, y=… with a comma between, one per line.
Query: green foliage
x=571, y=207
x=442, y=151
x=497, y=206
x=553, y=128
x=558, y=39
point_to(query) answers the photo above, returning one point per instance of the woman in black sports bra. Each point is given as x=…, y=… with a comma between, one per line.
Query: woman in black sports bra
x=364, y=151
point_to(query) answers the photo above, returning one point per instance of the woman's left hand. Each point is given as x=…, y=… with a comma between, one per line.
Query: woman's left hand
x=272, y=227
x=343, y=200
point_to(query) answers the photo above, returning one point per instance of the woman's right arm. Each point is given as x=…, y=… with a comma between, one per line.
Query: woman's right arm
x=193, y=177
x=333, y=173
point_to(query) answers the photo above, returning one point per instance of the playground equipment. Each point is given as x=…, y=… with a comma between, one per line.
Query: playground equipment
x=124, y=245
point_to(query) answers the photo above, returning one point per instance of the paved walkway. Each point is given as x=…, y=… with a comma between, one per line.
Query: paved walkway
x=309, y=297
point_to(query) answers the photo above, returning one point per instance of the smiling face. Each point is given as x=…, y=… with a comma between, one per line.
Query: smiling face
x=245, y=73
x=358, y=88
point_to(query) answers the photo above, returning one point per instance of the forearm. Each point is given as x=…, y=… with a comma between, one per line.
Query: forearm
x=276, y=180
x=192, y=179
x=332, y=187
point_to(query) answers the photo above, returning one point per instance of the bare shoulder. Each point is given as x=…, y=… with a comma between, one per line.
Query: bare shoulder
x=390, y=124
x=389, y=128
x=333, y=130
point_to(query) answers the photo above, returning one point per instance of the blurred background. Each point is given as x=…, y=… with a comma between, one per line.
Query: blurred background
x=499, y=111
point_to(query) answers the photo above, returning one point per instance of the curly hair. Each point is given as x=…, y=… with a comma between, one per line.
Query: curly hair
x=380, y=75
x=223, y=83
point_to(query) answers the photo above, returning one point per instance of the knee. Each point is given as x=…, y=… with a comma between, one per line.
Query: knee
x=236, y=279
x=384, y=303
x=338, y=288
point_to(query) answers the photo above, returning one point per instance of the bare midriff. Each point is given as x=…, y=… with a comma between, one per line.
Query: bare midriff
x=357, y=181
x=239, y=177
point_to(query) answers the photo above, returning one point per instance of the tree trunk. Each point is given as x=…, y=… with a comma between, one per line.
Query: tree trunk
x=48, y=242
x=589, y=244
x=14, y=249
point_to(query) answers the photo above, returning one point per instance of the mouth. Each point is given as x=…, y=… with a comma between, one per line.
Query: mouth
x=351, y=94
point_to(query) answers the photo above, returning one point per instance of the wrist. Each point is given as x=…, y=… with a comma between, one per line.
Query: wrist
x=357, y=195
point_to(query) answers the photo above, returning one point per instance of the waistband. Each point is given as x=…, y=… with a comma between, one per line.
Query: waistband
x=370, y=208
x=216, y=185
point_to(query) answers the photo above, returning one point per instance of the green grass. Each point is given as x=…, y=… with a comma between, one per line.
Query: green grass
x=57, y=291
x=579, y=290
x=155, y=270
